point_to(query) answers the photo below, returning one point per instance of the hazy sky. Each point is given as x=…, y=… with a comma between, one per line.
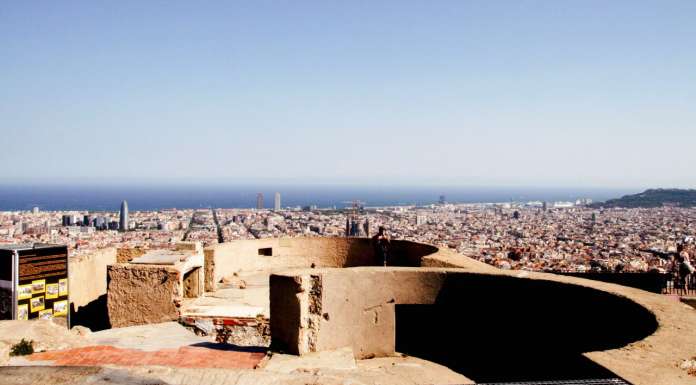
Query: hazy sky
x=552, y=93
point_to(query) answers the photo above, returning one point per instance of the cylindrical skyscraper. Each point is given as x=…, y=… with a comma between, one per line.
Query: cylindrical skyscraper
x=123, y=223
x=276, y=205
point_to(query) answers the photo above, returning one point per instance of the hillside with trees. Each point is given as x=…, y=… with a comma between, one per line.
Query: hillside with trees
x=654, y=198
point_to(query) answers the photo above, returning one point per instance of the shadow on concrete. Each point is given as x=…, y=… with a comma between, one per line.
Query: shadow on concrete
x=94, y=315
x=407, y=253
x=361, y=252
x=496, y=329
x=230, y=347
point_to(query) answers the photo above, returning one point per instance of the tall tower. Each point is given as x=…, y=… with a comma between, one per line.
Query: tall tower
x=123, y=223
x=259, y=201
x=276, y=206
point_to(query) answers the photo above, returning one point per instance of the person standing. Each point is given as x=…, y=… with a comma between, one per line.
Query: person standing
x=686, y=269
x=381, y=244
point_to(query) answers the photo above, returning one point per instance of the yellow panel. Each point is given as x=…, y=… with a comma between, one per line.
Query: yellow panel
x=52, y=291
x=23, y=312
x=60, y=308
x=24, y=292
x=63, y=287
x=38, y=286
x=37, y=303
x=46, y=314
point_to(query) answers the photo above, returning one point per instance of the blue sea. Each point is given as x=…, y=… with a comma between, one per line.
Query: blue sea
x=149, y=197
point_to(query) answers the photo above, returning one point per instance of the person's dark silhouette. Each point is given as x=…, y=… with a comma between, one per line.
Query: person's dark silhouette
x=381, y=244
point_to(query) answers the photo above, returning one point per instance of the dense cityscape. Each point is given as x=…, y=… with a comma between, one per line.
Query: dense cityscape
x=353, y=193
x=540, y=236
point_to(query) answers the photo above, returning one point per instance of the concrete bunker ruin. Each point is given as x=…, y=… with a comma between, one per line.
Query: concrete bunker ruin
x=225, y=259
x=150, y=288
x=488, y=324
x=489, y=328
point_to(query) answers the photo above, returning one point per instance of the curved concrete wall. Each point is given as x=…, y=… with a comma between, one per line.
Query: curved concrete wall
x=227, y=258
x=492, y=325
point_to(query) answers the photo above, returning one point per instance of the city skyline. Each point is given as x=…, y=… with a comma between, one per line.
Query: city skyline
x=289, y=191
x=465, y=93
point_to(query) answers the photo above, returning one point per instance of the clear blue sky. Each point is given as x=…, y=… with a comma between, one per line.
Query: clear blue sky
x=545, y=93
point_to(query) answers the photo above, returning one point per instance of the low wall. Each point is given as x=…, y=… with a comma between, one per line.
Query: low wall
x=87, y=278
x=227, y=258
x=127, y=254
x=488, y=324
x=87, y=286
x=653, y=282
x=356, y=307
x=143, y=294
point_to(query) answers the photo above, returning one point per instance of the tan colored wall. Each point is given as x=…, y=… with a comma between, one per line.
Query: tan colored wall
x=126, y=254
x=227, y=258
x=209, y=269
x=290, y=253
x=87, y=280
x=355, y=307
x=193, y=283
x=143, y=294
x=626, y=332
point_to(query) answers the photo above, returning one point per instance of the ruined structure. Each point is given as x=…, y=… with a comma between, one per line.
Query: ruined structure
x=150, y=288
x=490, y=325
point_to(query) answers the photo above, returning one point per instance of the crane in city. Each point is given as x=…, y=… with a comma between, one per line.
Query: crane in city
x=355, y=206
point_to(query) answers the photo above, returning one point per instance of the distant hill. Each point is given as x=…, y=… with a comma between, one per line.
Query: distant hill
x=653, y=198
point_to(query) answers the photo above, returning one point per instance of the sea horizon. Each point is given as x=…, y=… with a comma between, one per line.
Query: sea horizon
x=140, y=197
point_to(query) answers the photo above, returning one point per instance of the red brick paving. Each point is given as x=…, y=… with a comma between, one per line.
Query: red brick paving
x=184, y=357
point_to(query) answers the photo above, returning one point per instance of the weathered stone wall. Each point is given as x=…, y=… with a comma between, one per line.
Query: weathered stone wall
x=222, y=260
x=87, y=279
x=335, y=308
x=193, y=283
x=126, y=254
x=142, y=294
x=209, y=269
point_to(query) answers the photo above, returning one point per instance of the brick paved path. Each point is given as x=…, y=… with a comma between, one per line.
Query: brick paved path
x=183, y=357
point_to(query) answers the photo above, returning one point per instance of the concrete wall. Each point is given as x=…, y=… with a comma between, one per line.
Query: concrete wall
x=653, y=281
x=488, y=324
x=143, y=294
x=87, y=280
x=227, y=258
x=126, y=254
x=333, y=308
x=467, y=321
x=209, y=269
